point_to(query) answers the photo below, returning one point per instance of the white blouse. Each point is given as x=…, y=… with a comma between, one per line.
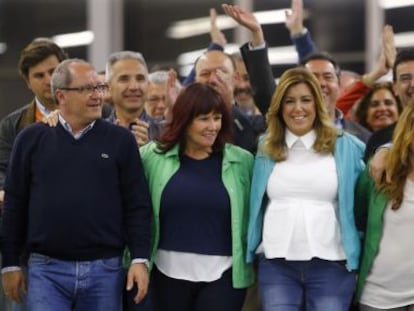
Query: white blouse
x=301, y=221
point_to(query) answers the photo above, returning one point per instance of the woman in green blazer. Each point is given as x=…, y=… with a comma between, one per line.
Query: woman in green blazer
x=385, y=217
x=199, y=184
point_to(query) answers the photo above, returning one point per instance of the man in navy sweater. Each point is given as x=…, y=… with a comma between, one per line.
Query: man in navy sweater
x=76, y=195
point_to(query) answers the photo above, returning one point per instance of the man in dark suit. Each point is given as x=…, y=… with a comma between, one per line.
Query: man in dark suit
x=36, y=64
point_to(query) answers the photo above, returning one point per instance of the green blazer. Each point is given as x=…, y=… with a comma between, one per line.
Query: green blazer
x=236, y=177
x=369, y=210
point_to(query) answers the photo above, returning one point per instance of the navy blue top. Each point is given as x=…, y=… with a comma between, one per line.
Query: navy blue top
x=195, y=213
x=73, y=199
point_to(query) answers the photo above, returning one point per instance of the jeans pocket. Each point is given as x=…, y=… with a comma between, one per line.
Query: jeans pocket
x=340, y=264
x=39, y=259
x=113, y=264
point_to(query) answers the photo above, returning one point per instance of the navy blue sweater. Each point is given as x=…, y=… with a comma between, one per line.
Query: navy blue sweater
x=76, y=199
x=195, y=214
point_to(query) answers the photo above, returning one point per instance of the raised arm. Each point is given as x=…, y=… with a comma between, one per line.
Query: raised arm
x=300, y=36
x=218, y=41
x=382, y=67
x=255, y=57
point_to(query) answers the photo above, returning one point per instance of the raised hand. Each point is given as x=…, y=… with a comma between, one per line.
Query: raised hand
x=386, y=58
x=388, y=45
x=217, y=36
x=294, y=18
x=171, y=94
x=246, y=19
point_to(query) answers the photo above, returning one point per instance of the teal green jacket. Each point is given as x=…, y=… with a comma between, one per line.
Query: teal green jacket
x=349, y=152
x=369, y=209
x=236, y=177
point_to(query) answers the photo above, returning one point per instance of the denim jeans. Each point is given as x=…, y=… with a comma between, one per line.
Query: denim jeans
x=74, y=285
x=314, y=285
x=367, y=308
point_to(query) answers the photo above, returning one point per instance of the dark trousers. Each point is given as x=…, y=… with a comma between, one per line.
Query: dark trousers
x=172, y=294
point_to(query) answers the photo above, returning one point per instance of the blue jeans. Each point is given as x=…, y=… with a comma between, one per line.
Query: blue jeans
x=314, y=285
x=74, y=285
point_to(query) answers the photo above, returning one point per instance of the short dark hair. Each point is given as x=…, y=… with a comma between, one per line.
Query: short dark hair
x=323, y=56
x=194, y=100
x=37, y=51
x=403, y=55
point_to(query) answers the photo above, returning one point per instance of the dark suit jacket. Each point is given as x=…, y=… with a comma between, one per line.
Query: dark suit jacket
x=10, y=126
x=378, y=139
x=245, y=131
x=356, y=129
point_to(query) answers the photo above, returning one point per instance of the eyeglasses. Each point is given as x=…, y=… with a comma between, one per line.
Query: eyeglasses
x=156, y=99
x=87, y=89
x=405, y=78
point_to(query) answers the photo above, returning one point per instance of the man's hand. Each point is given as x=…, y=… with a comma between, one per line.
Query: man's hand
x=218, y=81
x=52, y=119
x=138, y=273
x=377, y=165
x=171, y=94
x=294, y=18
x=140, y=130
x=14, y=284
x=1, y=199
x=217, y=36
x=388, y=45
x=246, y=19
x=385, y=60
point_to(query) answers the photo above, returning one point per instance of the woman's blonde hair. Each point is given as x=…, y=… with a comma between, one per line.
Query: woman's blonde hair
x=275, y=144
x=400, y=159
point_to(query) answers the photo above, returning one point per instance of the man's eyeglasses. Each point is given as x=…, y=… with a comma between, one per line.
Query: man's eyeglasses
x=87, y=89
x=405, y=78
x=156, y=99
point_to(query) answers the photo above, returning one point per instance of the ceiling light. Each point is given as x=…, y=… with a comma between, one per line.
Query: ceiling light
x=404, y=39
x=74, y=39
x=392, y=4
x=198, y=26
x=3, y=47
x=277, y=56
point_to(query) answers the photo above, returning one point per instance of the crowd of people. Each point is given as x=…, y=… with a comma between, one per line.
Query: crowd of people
x=134, y=190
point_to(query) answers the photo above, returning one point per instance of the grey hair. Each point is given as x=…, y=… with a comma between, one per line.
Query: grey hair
x=117, y=56
x=62, y=76
x=161, y=77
